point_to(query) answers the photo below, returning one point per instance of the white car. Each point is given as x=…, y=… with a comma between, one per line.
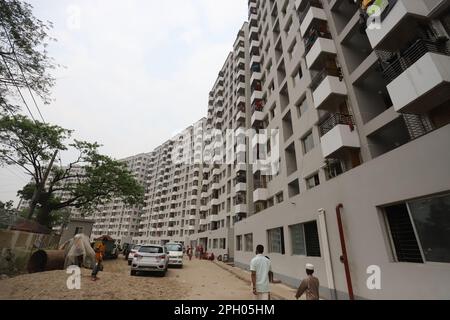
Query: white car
x=133, y=251
x=150, y=258
x=175, y=254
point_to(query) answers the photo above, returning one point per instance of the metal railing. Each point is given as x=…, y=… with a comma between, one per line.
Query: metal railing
x=411, y=56
x=334, y=120
x=315, y=4
x=312, y=38
x=318, y=78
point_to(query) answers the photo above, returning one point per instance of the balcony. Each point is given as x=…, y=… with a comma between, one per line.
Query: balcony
x=256, y=95
x=254, y=44
x=257, y=116
x=395, y=23
x=240, y=187
x=240, y=209
x=203, y=221
x=312, y=36
x=338, y=134
x=419, y=80
x=260, y=194
x=215, y=202
x=328, y=88
x=240, y=115
x=214, y=218
x=313, y=11
x=321, y=47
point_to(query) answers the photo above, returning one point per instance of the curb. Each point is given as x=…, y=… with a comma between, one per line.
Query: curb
x=245, y=279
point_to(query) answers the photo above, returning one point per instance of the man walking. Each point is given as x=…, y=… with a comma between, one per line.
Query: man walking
x=261, y=269
x=309, y=285
x=99, y=254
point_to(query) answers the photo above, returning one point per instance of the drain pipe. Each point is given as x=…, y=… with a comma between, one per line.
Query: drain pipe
x=344, y=257
x=326, y=253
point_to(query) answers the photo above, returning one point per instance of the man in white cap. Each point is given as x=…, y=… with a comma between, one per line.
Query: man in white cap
x=310, y=285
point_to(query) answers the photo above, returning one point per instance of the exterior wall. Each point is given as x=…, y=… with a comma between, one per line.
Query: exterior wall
x=70, y=231
x=388, y=179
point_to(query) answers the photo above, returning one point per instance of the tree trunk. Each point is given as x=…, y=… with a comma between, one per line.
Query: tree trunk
x=44, y=216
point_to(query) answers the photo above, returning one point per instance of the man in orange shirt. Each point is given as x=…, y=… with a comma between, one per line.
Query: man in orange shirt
x=99, y=253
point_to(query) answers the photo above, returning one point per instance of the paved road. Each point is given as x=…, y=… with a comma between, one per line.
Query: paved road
x=197, y=280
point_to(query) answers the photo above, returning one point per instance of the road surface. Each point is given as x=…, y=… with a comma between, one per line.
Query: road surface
x=197, y=280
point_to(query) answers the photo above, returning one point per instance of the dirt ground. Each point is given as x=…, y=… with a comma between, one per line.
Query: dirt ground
x=197, y=280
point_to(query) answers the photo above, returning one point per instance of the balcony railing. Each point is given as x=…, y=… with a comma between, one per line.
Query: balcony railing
x=315, y=4
x=411, y=55
x=318, y=78
x=312, y=37
x=334, y=120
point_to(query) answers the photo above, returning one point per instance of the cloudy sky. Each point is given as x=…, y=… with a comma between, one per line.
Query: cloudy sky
x=135, y=72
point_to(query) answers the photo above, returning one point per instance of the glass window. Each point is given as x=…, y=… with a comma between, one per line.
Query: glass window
x=239, y=243
x=276, y=240
x=298, y=240
x=313, y=181
x=432, y=221
x=248, y=242
x=308, y=143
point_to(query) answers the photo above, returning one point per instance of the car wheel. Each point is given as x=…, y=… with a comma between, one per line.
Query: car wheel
x=133, y=273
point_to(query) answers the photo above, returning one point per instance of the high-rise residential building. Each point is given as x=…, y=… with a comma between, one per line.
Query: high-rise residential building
x=359, y=91
x=116, y=219
x=173, y=184
x=348, y=104
x=350, y=101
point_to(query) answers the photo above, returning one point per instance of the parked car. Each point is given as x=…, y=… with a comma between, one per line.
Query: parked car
x=150, y=258
x=132, y=252
x=175, y=251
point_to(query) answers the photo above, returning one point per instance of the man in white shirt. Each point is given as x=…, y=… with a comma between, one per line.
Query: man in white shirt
x=261, y=269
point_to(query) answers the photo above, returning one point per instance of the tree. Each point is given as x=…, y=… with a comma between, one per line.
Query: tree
x=24, y=59
x=91, y=180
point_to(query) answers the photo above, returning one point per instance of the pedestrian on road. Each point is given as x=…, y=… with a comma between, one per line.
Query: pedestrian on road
x=189, y=253
x=261, y=269
x=309, y=285
x=99, y=254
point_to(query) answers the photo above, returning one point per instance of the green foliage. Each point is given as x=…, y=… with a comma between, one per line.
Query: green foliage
x=91, y=180
x=29, y=38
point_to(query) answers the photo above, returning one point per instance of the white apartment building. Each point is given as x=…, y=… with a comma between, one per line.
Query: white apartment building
x=359, y=96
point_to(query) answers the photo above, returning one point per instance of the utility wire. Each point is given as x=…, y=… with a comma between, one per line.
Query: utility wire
x=21, y=70
x=18, y=89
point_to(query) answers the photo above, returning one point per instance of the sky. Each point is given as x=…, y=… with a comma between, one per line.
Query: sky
x=134, y=73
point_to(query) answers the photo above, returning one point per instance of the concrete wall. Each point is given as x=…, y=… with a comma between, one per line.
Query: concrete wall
x=405, y=173
x=70, y=231
x=16, y=247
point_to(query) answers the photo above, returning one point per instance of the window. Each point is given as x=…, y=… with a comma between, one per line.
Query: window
x=312, y=239
x=275, y=238
x=280, y=197
x=420, y=230
x=223, y=243
x=239, y=243
x=293, y=188
x=313, y=181
x=308, y=142
x=248, y=242
x=78, y=230
x=301, y=107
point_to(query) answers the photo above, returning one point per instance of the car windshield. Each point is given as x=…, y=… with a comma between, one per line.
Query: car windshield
x=151, y=250
x=174, y=247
